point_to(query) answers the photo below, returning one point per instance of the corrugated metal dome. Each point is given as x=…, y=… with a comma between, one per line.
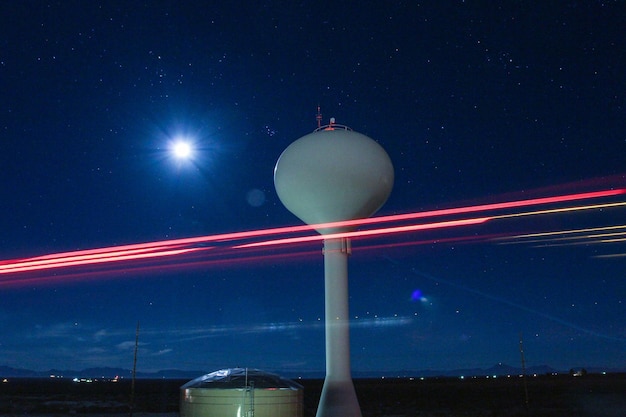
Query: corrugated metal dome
x=241, y=378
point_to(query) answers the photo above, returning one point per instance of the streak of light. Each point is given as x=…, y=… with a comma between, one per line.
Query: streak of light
x=385, y=231
x=34, y=263
x=613, y=240
x=589, y=240
x=127, y=271
x=101, y=256
x=574, y=239
x=174, y=247
x=81, y=260
x=478, y=208
x=614, y=255
x=432, y=241
x=561, y=210
x=563, y=232
x=597, y=236
x=460, y=210
x=583, y=243
x=196, y=333
x=560, y=245
x=220, y=258
x=352, y=223
x=427, y=226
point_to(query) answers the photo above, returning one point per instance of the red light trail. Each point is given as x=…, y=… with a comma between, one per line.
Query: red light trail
x=228, y=246
x=111, y=256
x=373, y=232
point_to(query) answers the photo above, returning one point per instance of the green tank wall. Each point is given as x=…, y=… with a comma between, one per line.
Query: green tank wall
x=240, y=402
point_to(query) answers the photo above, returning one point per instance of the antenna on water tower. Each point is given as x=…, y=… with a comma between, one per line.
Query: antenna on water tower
x=318, y=117
x=330, y=176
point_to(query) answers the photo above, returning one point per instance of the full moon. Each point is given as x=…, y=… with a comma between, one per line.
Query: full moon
x=182, y=150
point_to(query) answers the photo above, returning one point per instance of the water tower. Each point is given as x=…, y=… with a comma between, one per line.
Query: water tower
x=332, y=175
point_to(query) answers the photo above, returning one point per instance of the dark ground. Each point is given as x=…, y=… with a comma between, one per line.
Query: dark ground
x=549, y=396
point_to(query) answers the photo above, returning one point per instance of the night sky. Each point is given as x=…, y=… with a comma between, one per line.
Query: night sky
x=475, y=103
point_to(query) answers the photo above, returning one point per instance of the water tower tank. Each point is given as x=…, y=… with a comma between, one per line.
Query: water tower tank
x=332, y=175
x=241, y=392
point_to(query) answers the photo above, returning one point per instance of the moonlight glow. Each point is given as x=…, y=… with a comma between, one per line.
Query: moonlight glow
x=182, y=149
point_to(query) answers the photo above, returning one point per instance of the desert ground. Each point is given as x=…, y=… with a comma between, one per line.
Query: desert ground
x=541, y=396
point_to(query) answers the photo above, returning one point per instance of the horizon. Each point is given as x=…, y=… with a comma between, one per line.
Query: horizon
x=496, y=370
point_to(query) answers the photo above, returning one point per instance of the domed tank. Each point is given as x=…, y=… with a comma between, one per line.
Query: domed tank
x=333, y=174
x=241, y=392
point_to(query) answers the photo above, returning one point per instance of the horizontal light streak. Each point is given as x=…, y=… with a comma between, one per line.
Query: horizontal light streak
x=591, y=238
x=564, y=232
x=377, y=232
x=191, y=260
x=222, y=251
x=561, y=210
x=197, y=333
x=117, y=256
x=579, y=243
x=622, y=239
x=224, y=237
x=573, y=237
x=615, y=255
x=469, y=209
x=70, y=257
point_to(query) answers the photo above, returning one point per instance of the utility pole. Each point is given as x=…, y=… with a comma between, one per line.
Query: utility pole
x=521, y=351
x=132, y=384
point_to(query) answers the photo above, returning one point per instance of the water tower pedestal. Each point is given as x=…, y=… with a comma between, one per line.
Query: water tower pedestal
x=338, y=394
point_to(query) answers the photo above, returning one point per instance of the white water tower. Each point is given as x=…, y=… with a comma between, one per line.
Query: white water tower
x=332, y=175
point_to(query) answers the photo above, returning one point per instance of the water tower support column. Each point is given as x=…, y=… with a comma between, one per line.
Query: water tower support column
x=338, y=397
